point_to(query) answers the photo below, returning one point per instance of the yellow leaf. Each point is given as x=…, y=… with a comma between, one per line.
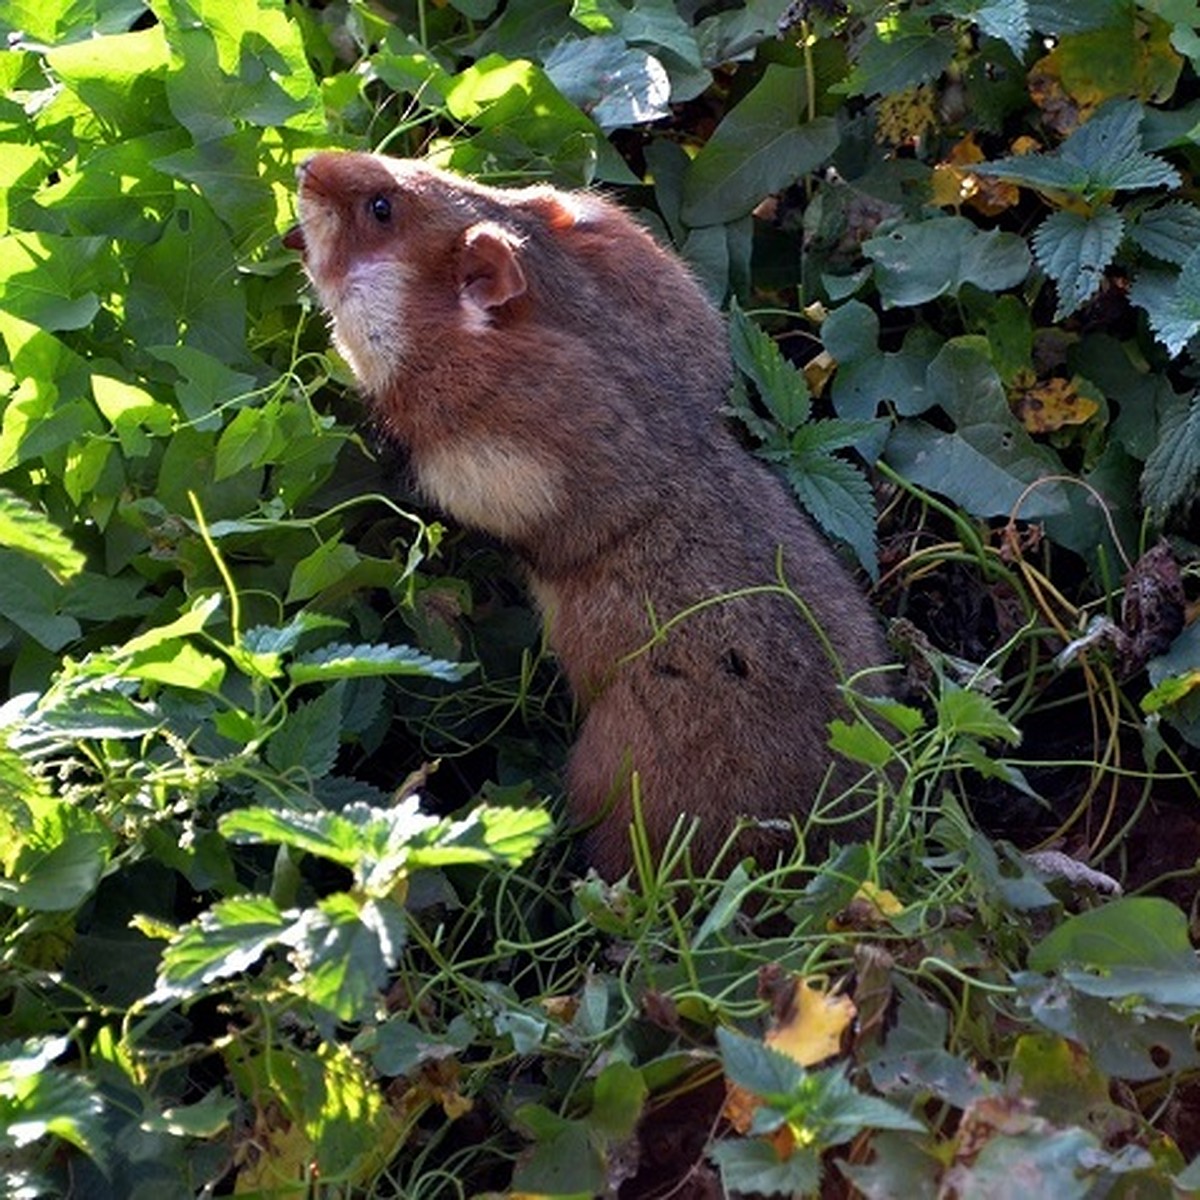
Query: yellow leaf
x=812, y=1031
x=1052, y=403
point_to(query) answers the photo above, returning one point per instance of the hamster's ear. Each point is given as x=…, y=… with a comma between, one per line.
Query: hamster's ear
x=489, y=268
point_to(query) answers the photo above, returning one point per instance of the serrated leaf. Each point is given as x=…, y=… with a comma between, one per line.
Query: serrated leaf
x=781, y=387
x=763, y=145
x=839, y=498
x=1172, y=472
x=343, y=661
x=756, y=1067
x=753, y=1167
x=1007, y=20
x=1075, y=250
x=899, y=54
x=27, y=529
x=860, y=743
x=38, y=1099
x=1170, y=231
x=1104, y=155
x=962, y=711
x=1171, y=302
x=342, y=951
x=309, y=738
x=227, y=939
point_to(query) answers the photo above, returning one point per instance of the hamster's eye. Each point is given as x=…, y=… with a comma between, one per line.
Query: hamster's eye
x=380, y=207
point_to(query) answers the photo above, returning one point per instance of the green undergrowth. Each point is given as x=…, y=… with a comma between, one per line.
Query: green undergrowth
x=289, y=902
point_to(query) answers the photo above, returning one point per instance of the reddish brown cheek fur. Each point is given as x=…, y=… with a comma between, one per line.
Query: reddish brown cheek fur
x=609, y=370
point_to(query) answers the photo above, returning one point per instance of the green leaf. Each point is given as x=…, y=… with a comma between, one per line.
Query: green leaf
x=860, y=742
x=309, y=738
x=763, y=145
x=342, y=951
x=50, y=280
x=1048, y=1162
x=32, y=600
x=1007, y=20
x=341, y=661
x=59, y=863
x=964, y=712
x=782, y=388
x=1172, y=302
x=1136, y=947
x=615, y=85
x=1172, y=473
x=752, y=1166
x=487, y=834
x=618, y=1096
x=1101, y=156
x=325, y=567
x=839, y=498
x=25, y=528
x=1169, y=231
x=1075, y=250
x=918, y=262
x=989, y=461
x=757, y=1067
x=224, y=941
x=38, y=1099
x=899, y=54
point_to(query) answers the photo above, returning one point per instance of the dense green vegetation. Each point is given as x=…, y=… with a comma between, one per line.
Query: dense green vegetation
x=959, y=241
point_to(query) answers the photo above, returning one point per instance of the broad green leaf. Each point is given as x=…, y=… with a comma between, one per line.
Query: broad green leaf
x=38, y=1099
x=31, y=598
x=59, y=863
x=763, y=145
x=399, y=1046
x=860, y=742
x=918, y=262
x=615, y=85
x=898, y=54
x=190, y=622
x=25, y=528
x=1045, y=1161
x=178, y=664
x=342, y=661
x=1134, y=947
x=987, y=463
x=1075, y=250
x=224, y=941
x=204, y=1119
x=50, y=280
x=119, y=77
x=88, y=710
x=324, y=568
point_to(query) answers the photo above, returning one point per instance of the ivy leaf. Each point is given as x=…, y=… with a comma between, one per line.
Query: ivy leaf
x=615, y=84
x=1169, y=231
x=918, y=262
x=1172, y=472
x=1171, y=302
x=1104, y=155
x=1075, y=249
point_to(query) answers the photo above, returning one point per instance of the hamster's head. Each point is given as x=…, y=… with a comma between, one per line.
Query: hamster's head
x=397, y=248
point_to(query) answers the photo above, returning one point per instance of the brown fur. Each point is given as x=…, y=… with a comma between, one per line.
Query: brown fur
x=555, y=376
